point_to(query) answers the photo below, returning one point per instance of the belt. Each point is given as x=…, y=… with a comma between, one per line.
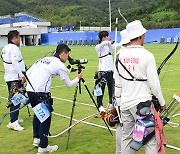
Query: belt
x=43, y=96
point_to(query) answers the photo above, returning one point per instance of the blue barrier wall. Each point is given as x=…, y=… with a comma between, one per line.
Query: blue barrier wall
x=152, y=36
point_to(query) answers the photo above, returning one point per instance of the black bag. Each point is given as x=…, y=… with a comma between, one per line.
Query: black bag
x=46, y=98
x=144, y=108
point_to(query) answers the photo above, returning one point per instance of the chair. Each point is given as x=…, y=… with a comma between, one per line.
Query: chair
x=75, y=42
x=162, y=40
x=61, y=41
x=65, y=42
x=79, y=42
x=90, y=42
x=176, y=39
x=96, y=42
x=85, y=42
x=70, y=42
x=168, y=40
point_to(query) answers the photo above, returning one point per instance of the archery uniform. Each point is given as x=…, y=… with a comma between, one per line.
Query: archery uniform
x=104, y=51
x=13, y=65
x=141, y=64
x=40, y=76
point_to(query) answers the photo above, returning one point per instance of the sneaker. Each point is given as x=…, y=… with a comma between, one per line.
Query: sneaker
x=110, y=106
x=36, y=142
x=15, y=126
x=47, y=149
x=102, y=109
x=20, y=121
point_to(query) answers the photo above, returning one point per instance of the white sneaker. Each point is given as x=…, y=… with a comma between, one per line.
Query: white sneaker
x=15, y=126
x=47, y=149
x=36, y=142
x=110, y=106
x=20, y=121
x=102, y=109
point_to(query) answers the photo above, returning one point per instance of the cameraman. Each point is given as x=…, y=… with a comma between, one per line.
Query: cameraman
x=104, y=51
x=40, y=76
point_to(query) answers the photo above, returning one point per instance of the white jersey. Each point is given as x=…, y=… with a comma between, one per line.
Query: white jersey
x=43, y=70
x=13, y=63
x=105, y=49
x=117, y=91
x=141, y=63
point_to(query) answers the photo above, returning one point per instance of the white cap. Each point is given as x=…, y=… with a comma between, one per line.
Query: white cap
x=135, y=29
x=124, y=37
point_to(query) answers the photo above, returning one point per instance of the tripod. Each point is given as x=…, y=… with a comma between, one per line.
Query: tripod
x=80, y=67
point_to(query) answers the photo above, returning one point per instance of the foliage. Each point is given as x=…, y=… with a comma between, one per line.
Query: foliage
x=154, y=14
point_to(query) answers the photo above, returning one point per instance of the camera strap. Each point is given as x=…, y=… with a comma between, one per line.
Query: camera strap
x=133, y=78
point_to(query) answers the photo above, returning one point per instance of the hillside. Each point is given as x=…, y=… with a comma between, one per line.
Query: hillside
x=154, y=14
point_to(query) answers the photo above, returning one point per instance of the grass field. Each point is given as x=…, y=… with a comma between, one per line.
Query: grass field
x=84, y=139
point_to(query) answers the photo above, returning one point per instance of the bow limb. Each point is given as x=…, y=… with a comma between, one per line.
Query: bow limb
x=166, y=59
x=74, y=124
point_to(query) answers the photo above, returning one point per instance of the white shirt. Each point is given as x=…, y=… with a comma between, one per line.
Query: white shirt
x=102, y=49
x=12, y=54
x=117, y=91
x=141, y=63
x=43, y=70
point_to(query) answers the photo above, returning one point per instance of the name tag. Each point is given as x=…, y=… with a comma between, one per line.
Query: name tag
x=41, y=111
x=98, y=91
x=17, y=99
x=138, y=133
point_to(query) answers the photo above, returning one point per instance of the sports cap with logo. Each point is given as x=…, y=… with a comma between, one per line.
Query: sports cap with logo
x=124, y=37
x=135, y=29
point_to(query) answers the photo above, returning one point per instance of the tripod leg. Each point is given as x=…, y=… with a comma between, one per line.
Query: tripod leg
x=80, y=87
x=95, y=104
x=72, y=112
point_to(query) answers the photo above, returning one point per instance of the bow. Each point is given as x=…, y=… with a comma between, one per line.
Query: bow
x=166, y=59
x=155, y=100
x=72, y=125
x=95, y=115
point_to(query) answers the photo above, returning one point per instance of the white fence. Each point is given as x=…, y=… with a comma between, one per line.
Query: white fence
x=94, y=29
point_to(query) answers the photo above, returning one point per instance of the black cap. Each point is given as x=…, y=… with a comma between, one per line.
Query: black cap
x=62, y=48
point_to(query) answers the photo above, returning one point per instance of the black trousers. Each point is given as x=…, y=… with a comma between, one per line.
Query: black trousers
x=14, y=115
x=39, y=129
x=110, y=84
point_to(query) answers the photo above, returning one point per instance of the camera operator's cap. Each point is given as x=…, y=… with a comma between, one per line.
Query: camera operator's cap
x=124, y=37
x=61, y=47
x=135, y=29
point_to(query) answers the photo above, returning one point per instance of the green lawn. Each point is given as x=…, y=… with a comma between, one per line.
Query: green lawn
x=84, y=139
